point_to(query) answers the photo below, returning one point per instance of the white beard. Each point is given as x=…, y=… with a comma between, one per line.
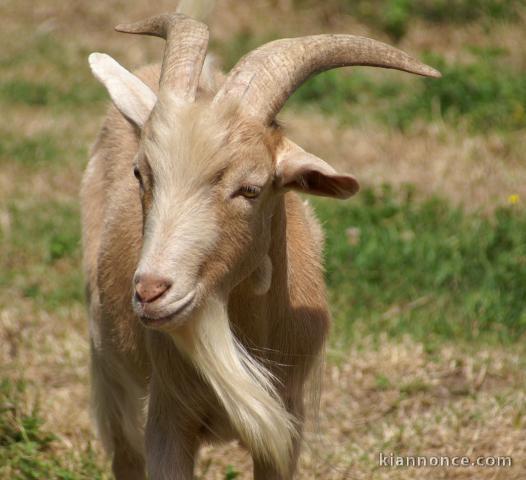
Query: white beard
x=244, y=386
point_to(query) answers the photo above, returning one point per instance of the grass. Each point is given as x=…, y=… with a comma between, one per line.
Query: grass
x=27, y=449
x=394, y=264
x=483, y=90
x=41, y=253
x=465, y=11
x=56, y=76
x=394, y=17
x=32, y=93
x=240, y=44
x=462, y=265
x=400, y=266
x=39, y=150
x=231, y=473
x=482, y=94
x=427, y=353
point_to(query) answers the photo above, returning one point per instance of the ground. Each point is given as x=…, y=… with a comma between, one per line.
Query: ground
x=426, y=267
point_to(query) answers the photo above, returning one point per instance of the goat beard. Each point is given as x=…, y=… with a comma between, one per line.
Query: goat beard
x=245, y=388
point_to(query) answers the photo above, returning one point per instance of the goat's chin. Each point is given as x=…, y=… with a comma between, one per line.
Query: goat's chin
x=169, y=323
x=171, y=316
x=244, y=387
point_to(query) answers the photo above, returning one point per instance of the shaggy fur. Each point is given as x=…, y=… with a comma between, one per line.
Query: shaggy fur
x=203, y=268
x=236, y=367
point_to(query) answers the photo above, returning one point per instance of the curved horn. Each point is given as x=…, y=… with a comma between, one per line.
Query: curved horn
x=184, y=54
x=264, y=79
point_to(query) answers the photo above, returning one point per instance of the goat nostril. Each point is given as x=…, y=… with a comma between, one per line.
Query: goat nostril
x=148, y=288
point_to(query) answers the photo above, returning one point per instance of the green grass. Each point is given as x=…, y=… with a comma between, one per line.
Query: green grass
x=405, y=266
x=484, y=91
x=34, y=93
x=231, y=473
x=484, y=94
x=348, y=97
x=41, y=49
x=37, y=151
x=465, y=11
x=425, y=268
x=27, y=449
x=240, y=44
x=55, y=76
x=41, y=253
x=394, y=17
x=481, y=94
x=49, y=150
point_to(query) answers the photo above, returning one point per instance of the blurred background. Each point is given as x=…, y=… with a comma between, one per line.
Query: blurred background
x=426, y=267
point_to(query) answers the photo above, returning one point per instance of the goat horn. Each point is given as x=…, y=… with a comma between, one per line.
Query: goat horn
x=264, y=79
x=184, y=54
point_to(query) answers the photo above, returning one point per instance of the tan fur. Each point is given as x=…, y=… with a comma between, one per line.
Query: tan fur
x=270, y=336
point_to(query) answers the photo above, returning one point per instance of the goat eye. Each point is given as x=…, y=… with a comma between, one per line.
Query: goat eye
x=137, y=174
x=249, y=191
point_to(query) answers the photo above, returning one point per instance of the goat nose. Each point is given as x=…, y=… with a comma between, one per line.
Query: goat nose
x=149, y=288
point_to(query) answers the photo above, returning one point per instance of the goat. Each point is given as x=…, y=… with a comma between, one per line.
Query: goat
x=203, y=264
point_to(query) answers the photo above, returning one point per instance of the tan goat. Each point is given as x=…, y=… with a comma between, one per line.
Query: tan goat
x=203, y=266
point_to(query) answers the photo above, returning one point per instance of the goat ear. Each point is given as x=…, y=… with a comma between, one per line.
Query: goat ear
x=132, y=97
x=297, y=169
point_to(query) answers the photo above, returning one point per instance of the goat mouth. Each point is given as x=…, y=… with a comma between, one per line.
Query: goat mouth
x=182, y=307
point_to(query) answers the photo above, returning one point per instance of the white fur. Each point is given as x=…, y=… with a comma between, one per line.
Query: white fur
x=179, y=234
x=132, y=97
x=181, y=228
x=244, y=386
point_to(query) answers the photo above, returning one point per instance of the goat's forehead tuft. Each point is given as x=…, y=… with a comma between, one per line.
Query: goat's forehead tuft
x=194, y=141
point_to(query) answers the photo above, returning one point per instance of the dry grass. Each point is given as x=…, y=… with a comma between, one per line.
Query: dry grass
x=380, y=395
x=476, y=171
x=384, y=396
